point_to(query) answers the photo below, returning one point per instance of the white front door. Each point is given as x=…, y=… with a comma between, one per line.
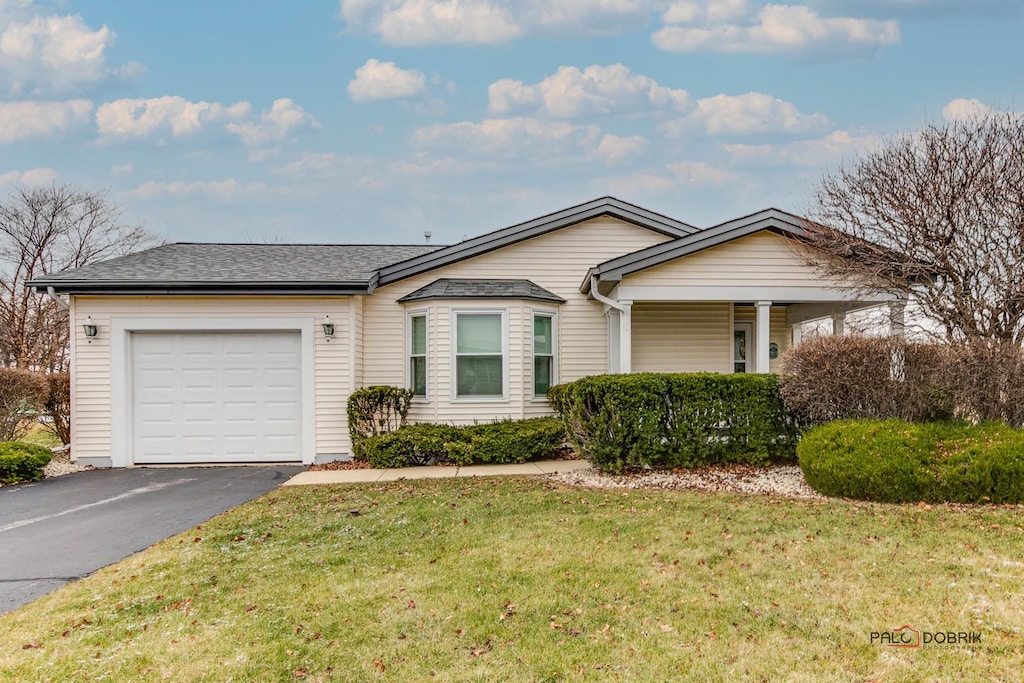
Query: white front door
x=743, y=356
x=216, y=397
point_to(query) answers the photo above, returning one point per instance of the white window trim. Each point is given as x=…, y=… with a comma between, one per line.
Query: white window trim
x=122, y=395
x=454, y=347
x=553, y=314
x=409, y=315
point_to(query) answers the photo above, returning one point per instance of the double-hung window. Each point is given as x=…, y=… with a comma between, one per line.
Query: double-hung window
x=544, y=328
x=418, y=354
x=480, y=351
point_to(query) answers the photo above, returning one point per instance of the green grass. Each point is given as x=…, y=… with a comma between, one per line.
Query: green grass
x=521, y=580
x=42, y=435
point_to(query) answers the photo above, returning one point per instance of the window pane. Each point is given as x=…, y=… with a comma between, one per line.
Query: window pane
x=478, y=375
x=479, y=333
x=419, y=335
x=541, y=375
x=542, y=335
x=739, y=345
x=418, y=373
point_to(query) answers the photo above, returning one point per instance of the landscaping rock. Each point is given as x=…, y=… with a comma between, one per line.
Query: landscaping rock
x=61, y=464
x=777, y=480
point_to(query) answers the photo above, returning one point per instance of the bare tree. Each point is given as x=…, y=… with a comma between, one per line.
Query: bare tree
x=936, y=216
x=47, y=230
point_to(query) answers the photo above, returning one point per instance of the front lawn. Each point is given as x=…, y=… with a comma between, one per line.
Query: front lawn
x=521, y=580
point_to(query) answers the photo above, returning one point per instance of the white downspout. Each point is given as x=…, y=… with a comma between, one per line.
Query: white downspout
x=52, y=293
x=625, y=326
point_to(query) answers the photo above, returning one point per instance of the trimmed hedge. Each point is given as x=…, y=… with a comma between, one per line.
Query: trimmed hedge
x=20, y=461
x=498, y=443
x=621, y=422
x=894, y=461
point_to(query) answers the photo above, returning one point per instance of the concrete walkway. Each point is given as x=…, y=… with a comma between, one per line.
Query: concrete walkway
x=435, y=472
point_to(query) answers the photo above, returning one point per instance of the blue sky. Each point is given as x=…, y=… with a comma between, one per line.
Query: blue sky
x=375, y=120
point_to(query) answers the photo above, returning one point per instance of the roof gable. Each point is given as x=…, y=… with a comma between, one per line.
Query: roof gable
x=605, y=206
x=774, y=220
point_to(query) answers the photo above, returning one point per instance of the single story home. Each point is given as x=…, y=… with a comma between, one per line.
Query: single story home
x=189, y=353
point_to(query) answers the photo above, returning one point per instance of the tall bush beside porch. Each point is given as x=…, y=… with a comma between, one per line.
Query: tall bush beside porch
x=375, y=410
x=665, y=420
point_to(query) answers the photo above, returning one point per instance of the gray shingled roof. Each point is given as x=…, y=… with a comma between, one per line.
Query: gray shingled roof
x=180, y=265
x=447, y=288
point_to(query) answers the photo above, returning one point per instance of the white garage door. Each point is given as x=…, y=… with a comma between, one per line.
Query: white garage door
x=224, y=397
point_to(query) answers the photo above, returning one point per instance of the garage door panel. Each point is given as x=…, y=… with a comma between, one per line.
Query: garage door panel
x=217, y=397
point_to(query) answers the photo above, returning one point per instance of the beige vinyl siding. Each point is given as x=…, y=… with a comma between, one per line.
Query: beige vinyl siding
x=557, y=261
x=682, y=337
x=778, y=331
x=91, y=394
x=763, y=258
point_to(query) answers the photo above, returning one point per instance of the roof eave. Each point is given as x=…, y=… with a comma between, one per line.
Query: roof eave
x=186, y=288
x=533, y=228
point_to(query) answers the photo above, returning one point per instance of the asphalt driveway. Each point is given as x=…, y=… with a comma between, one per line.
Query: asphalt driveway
x=61, y=529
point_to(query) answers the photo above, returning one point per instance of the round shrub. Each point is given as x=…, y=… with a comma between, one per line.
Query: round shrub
x=894, y=461
x=20, y=461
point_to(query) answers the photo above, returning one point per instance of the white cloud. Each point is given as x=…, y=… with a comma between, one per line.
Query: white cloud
x=570, y=92
x=746, y=114
x=814, y=152
x=962, y=109
x=706, y=11
x=47, y=54
x=122, y=169
x=675, y=176
x=433, y=22
x=141, y=118
x=699, y=174
x=35, y=177
x=378, y=80
x=220, y=190
x=310, y=162
x=41, y=120
x=696, y=26
x=614, y=149
x=177, y=117
x=430, y=22
x=284, y=118
x=519, y=136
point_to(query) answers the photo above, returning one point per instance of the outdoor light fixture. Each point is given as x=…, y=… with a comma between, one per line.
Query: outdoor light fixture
x=90, y=328
x=328, y=327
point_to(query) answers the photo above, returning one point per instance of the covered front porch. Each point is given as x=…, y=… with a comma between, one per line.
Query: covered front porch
x=719, y=336
x=730, y=298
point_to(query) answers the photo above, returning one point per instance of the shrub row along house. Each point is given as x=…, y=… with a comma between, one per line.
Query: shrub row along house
x=247, y=353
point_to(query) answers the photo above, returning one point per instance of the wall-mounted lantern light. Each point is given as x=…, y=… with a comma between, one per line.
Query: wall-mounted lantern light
x=328, y=327
x=90, y=328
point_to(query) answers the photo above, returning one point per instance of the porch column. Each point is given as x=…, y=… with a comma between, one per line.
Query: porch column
x=763, y=330
x=626, y=337
x=797, y=332
x=897, y=318
x=839, y=324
